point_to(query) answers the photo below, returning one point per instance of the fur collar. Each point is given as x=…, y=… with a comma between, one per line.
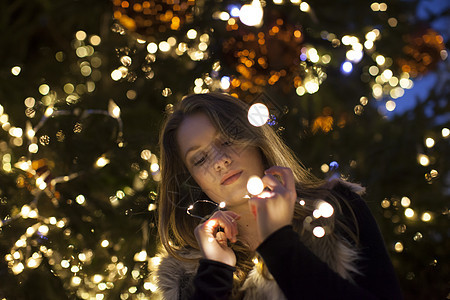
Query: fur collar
x=174, y=278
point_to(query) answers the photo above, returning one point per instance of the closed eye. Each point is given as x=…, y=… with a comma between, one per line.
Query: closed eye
x=201, y=160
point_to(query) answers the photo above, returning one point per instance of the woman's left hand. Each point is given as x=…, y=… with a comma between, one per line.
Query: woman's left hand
x=274, y=209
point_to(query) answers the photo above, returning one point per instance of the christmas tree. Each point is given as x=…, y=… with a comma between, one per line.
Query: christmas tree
x=85, y=85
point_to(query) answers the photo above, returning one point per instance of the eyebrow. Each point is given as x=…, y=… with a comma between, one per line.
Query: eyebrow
x=190, y=150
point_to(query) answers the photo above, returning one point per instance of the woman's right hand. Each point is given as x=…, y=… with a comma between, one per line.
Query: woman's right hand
x=212, y=242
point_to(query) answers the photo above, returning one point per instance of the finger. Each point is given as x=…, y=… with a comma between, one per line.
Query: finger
x=286, y=175
x=221, y=239
x=270, y=181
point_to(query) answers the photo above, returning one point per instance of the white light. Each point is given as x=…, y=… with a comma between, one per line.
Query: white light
x=326, y=210
x=311, y=84
x=141, y=256
x=224, y=16
x=354, y=55
x=65, y=264
x=222, y=204
x=43, y=229
x=113, y=109
x=368, y=44
x=154, y=167
x=116, y=75
x=371, y=36
x=319, y=231
x=251, y=14
x=255, y=185
x=16, y=70
x=304, y=7
x=152, y=48
x=225, y=82
x=76, y=280
x=80, y=199
x=347, y=67
x=164, y=46
x=33, y=148
x=191, y=34
x=445, y=132
x=300, y=91
x=380, y=60
x=101, y=162
x=48, y=111
x=104, y=243
x=258, y=114
x=409, y=213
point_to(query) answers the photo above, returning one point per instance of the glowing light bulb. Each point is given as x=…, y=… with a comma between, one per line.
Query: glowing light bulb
x=251, y=14
x=429, y=142
x=222, y=204
x=409, y=213
x=101, y=162
x=426, y=217
x=326, y=210
x=258, y=114
x=319, y=231
x=255, y=185
x=141, y=256
x=347, y=67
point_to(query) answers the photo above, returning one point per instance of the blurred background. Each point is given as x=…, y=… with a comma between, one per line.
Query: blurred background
x=358, y=89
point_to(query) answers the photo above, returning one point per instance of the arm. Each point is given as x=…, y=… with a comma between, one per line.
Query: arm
x=299, y=272
x=214, y=280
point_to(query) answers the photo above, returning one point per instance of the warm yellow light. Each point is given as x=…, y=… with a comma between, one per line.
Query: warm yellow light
x=164, y=46
x=255, y=186
x=113, y=109
x=141, y=256
x=15, y=70
x=80, y=35
x=390, y=105
x=409, y=213
x=398, y=247
x=43, y=229
x=18, y=268
x=76, y=280
x=324, y=168
x=191, y=34
x=44, y=89
x=104, y=243
x=311, y=84
x=150, y=286
x=97, y=278
x=380, y=59
x=426, y=217
x=101, y=162
x=33, y=148
x=429, y=142
x=65, y=264
x=80, y=199
x=405, y=202
x=75, y=269
x=423, y=159
x=445, y=132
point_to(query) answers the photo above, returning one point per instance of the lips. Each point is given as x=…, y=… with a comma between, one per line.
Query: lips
x=230, y=177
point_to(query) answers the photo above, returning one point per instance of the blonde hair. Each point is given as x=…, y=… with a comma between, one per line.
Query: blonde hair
x=177, y=190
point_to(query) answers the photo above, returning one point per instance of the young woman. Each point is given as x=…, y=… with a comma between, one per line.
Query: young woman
x=300, y=238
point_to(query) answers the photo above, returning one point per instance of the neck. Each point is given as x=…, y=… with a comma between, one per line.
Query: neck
x=247, y=226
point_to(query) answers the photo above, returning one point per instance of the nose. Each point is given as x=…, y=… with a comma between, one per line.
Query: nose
x=221, y=159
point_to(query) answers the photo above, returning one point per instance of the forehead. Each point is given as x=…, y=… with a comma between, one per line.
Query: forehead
x=195, y=130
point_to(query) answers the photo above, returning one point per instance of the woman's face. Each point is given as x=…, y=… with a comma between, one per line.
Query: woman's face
x=219, y=167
